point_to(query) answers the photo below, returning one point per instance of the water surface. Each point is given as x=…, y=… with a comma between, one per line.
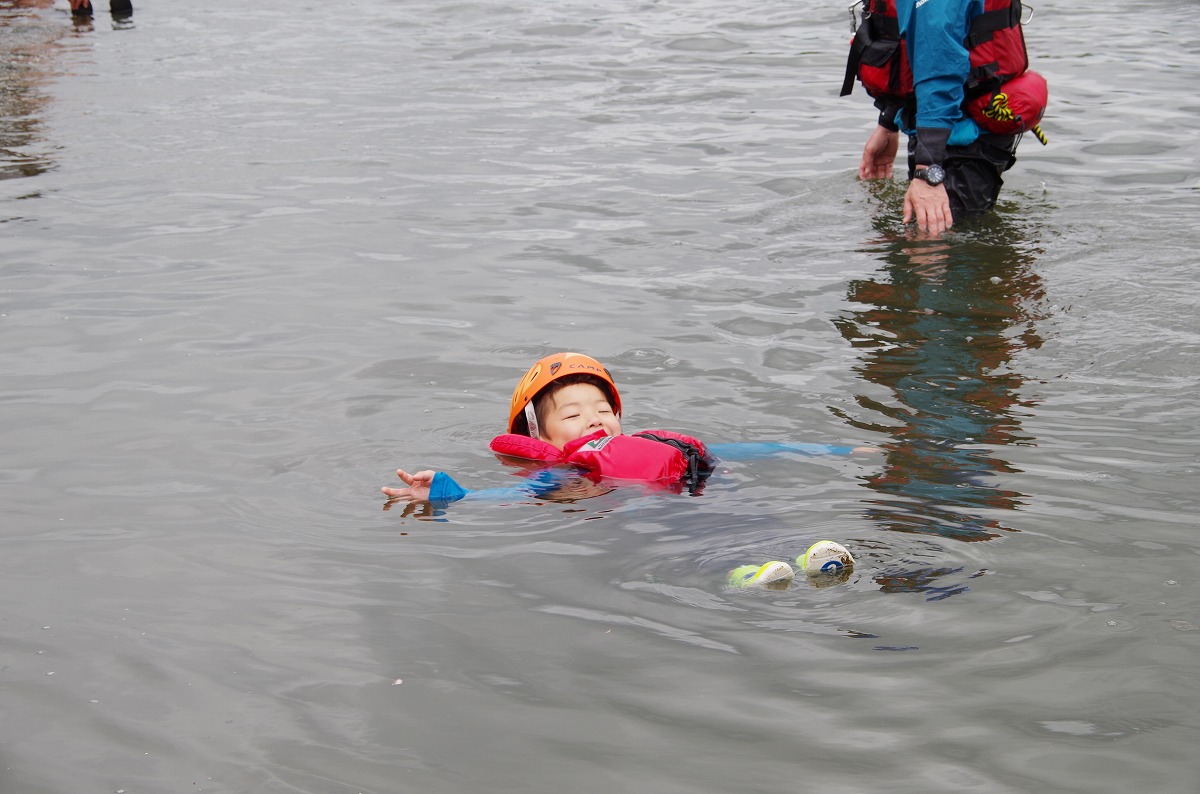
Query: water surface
x=255, y=257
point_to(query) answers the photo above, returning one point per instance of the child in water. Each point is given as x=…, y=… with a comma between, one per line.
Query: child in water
x=566, y=411
x=565, y=415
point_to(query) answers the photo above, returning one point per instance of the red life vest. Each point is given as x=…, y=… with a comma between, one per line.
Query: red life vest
x=996, y=44
x=650, y=455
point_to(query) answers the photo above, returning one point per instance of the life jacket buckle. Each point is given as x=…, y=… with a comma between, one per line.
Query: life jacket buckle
x=858, y=18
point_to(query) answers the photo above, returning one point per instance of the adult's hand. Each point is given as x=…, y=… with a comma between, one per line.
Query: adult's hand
x=879, y=154
x=928, y=205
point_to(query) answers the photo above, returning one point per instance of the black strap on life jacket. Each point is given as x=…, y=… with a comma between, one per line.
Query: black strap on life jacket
x=984, y=26
x=861, y=39
x=700, y=463
x=856, y=50
x=984, y=78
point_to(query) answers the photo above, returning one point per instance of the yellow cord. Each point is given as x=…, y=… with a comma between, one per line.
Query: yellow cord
x=998, y=109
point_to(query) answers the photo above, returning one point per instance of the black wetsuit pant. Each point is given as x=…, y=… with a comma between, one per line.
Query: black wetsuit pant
x=973, y=172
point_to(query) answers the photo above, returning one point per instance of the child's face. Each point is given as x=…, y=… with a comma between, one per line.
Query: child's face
x=575, y=411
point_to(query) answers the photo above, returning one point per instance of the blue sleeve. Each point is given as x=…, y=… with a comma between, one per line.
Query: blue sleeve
x=936, y=31
x=444, y=490
x=757, y=450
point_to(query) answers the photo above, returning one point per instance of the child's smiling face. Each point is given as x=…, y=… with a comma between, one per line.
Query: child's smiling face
x=577, y=410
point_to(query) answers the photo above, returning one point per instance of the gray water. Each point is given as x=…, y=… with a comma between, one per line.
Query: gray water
x=254, y=256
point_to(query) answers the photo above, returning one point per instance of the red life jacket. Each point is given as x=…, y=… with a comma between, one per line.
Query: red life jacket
x=996, y=44
x=650, y=455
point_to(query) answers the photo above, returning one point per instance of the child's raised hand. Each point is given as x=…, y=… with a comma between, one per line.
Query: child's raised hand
x=418, y=486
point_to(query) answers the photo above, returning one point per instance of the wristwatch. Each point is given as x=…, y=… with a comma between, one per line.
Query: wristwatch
x=933, y=174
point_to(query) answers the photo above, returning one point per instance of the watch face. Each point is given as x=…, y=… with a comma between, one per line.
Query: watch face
x=934, y=175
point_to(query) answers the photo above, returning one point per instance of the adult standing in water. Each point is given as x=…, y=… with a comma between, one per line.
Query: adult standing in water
x=953, y=75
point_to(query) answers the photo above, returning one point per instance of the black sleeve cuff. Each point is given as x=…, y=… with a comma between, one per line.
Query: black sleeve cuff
x=887, y=115
x=931, y=145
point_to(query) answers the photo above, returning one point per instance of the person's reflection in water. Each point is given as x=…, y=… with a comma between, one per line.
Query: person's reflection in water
x=24, y=39
x=939, y=330
x=27, y=37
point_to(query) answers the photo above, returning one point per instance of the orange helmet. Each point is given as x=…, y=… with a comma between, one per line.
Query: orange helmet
x=550, y=369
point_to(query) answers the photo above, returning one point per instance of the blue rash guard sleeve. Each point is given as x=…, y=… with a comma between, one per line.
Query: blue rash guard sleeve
x=757, y=450
x=444, y=490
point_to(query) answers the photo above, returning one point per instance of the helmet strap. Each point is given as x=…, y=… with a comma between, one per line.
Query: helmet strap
x=531, y=418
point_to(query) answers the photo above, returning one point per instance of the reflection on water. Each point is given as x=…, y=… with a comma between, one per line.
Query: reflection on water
x=25, y=43
x=939, y=328
x=29, y=32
